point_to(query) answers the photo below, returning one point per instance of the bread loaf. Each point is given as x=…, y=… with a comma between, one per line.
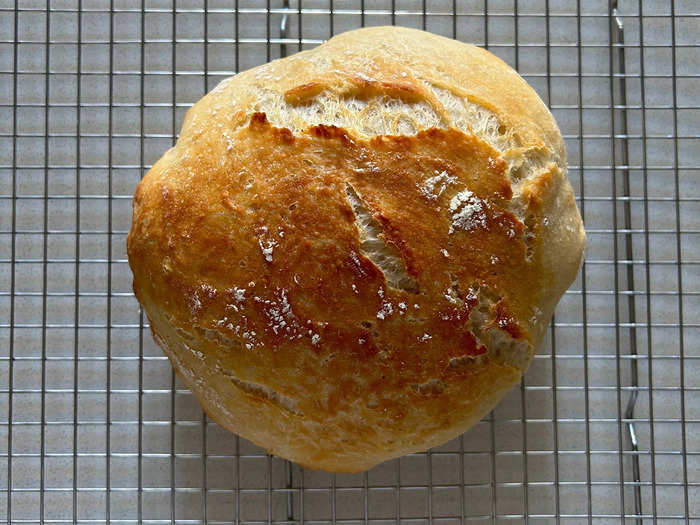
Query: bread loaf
x=352, y=253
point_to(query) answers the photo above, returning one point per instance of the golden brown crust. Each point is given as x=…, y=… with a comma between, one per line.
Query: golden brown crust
x=247, y=252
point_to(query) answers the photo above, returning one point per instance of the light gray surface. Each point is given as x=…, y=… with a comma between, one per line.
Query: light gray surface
x=133, y=444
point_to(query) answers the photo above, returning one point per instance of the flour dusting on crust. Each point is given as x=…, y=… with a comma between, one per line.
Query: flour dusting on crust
x=468, y=212
x=433, y=187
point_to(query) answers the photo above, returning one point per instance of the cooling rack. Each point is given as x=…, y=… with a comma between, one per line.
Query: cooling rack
x=95, y=427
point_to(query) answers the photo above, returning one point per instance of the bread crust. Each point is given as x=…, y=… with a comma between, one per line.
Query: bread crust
x=339, y=296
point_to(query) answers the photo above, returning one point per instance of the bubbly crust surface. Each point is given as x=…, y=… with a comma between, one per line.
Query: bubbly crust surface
x=352, y=253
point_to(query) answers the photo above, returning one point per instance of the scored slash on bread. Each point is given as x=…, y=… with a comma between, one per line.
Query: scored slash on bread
x=352, y=253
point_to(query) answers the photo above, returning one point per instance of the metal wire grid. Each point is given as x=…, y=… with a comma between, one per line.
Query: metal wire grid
x=95, y=426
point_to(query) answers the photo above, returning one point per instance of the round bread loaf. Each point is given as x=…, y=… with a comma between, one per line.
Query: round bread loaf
x=352, y=253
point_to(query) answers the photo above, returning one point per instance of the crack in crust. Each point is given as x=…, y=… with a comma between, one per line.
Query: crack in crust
x=263, y=392
x=491, y=326
x=375, y=247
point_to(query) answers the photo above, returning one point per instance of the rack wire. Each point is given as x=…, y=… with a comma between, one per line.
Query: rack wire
x=94, y=425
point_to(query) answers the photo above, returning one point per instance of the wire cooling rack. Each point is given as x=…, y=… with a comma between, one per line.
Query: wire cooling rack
x=95, y=427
